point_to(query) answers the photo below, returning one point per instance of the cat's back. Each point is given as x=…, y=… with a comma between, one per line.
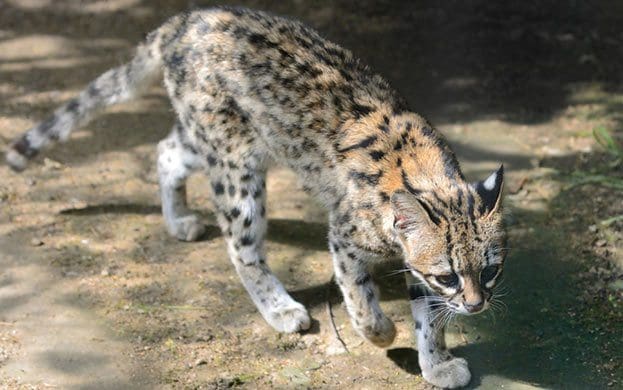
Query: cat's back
x=277, y=61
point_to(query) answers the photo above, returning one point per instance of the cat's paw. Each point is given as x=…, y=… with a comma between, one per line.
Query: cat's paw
x=289, y=319
x=382, y=333
x=187, y=228
x=449, y=374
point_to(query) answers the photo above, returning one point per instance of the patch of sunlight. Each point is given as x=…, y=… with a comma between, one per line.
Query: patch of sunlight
x=12, y=126
x=36, y=46
x=99, y=6
x=54, y=97
x=49, y=63
x=588, y=92
x=498, y=382
x=29, y=4
x=460, y=82
x=84, y=6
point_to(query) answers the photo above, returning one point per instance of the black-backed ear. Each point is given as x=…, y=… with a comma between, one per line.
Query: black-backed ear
x=490, y=192
x=411, y=213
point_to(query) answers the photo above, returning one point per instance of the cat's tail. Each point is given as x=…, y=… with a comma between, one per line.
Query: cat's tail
x=115, y=86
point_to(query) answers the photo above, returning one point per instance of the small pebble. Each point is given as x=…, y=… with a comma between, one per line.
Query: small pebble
x=36, y=242
x=105, y=272
x=601, y=243
x=200, y=362
x=592, y=228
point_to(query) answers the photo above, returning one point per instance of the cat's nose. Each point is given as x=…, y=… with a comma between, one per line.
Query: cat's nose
x=474, y=307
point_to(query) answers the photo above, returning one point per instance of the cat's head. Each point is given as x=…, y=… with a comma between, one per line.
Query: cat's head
x=455, y=241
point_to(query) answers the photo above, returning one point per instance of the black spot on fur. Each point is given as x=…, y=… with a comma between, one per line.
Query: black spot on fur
x=366, y=178
x=362, y=279
x=93, y=91
x=211, y=160
x=260, y=40
x=235, y=212
x=218, y=188
x=361, y=110
x=427, y=131
x=247, y=222
x=247, y=240
x=418, y=325
x=433, y=215
x=72, y=106
x=22, y=146
x=459, y=198
x=407, y=184
x=47, y=126
x=361, y=144
x=377, y=154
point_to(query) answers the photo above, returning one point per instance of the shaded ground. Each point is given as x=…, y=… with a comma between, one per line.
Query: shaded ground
x=93, y=293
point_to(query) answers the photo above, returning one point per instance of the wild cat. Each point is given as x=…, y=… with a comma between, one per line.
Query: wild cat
x=249, y=88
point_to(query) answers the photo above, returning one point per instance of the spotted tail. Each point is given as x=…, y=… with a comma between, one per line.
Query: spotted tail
x=115, y=86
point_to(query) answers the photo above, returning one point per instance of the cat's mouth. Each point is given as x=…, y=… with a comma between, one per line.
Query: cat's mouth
x=467, y=312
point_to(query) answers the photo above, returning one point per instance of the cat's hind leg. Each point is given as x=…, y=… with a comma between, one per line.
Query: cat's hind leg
x=239, y=196
x=177, y=159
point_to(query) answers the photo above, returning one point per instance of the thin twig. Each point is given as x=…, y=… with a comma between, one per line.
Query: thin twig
x=336, y=333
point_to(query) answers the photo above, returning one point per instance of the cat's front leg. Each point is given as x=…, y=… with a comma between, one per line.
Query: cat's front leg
x=359, y=291
x=438, y=365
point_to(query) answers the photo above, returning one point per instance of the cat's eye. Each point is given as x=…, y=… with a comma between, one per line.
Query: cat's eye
x=488, y=274
x=448, y=280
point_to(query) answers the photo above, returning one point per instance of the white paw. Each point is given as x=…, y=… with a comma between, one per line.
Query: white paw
x=448, y=375
x=187, y=228
x=289, y=319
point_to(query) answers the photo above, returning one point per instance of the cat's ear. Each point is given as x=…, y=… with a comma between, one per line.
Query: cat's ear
x=411, y=212
x=490, y=192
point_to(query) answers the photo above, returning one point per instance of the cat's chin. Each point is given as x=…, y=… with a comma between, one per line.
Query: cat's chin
x=465, y=312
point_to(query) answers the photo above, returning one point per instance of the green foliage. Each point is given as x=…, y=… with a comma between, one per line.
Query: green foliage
x=583, y=178
x=604, y=137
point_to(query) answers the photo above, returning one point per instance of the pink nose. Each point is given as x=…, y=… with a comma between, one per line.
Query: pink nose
x=474, y=307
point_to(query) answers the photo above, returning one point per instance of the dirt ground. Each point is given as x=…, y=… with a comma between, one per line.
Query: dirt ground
x=94, y=294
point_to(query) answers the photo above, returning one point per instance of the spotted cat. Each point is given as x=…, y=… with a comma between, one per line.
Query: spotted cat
x=249, y=88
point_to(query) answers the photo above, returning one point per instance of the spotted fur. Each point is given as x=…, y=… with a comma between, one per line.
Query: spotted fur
x=249, y=88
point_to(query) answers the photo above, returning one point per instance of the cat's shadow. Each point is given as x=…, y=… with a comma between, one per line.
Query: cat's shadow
x=518, y=337
x=406, y=359
x=299, y=233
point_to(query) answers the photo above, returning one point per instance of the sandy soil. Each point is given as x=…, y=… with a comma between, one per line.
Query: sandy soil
x=94, y=294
